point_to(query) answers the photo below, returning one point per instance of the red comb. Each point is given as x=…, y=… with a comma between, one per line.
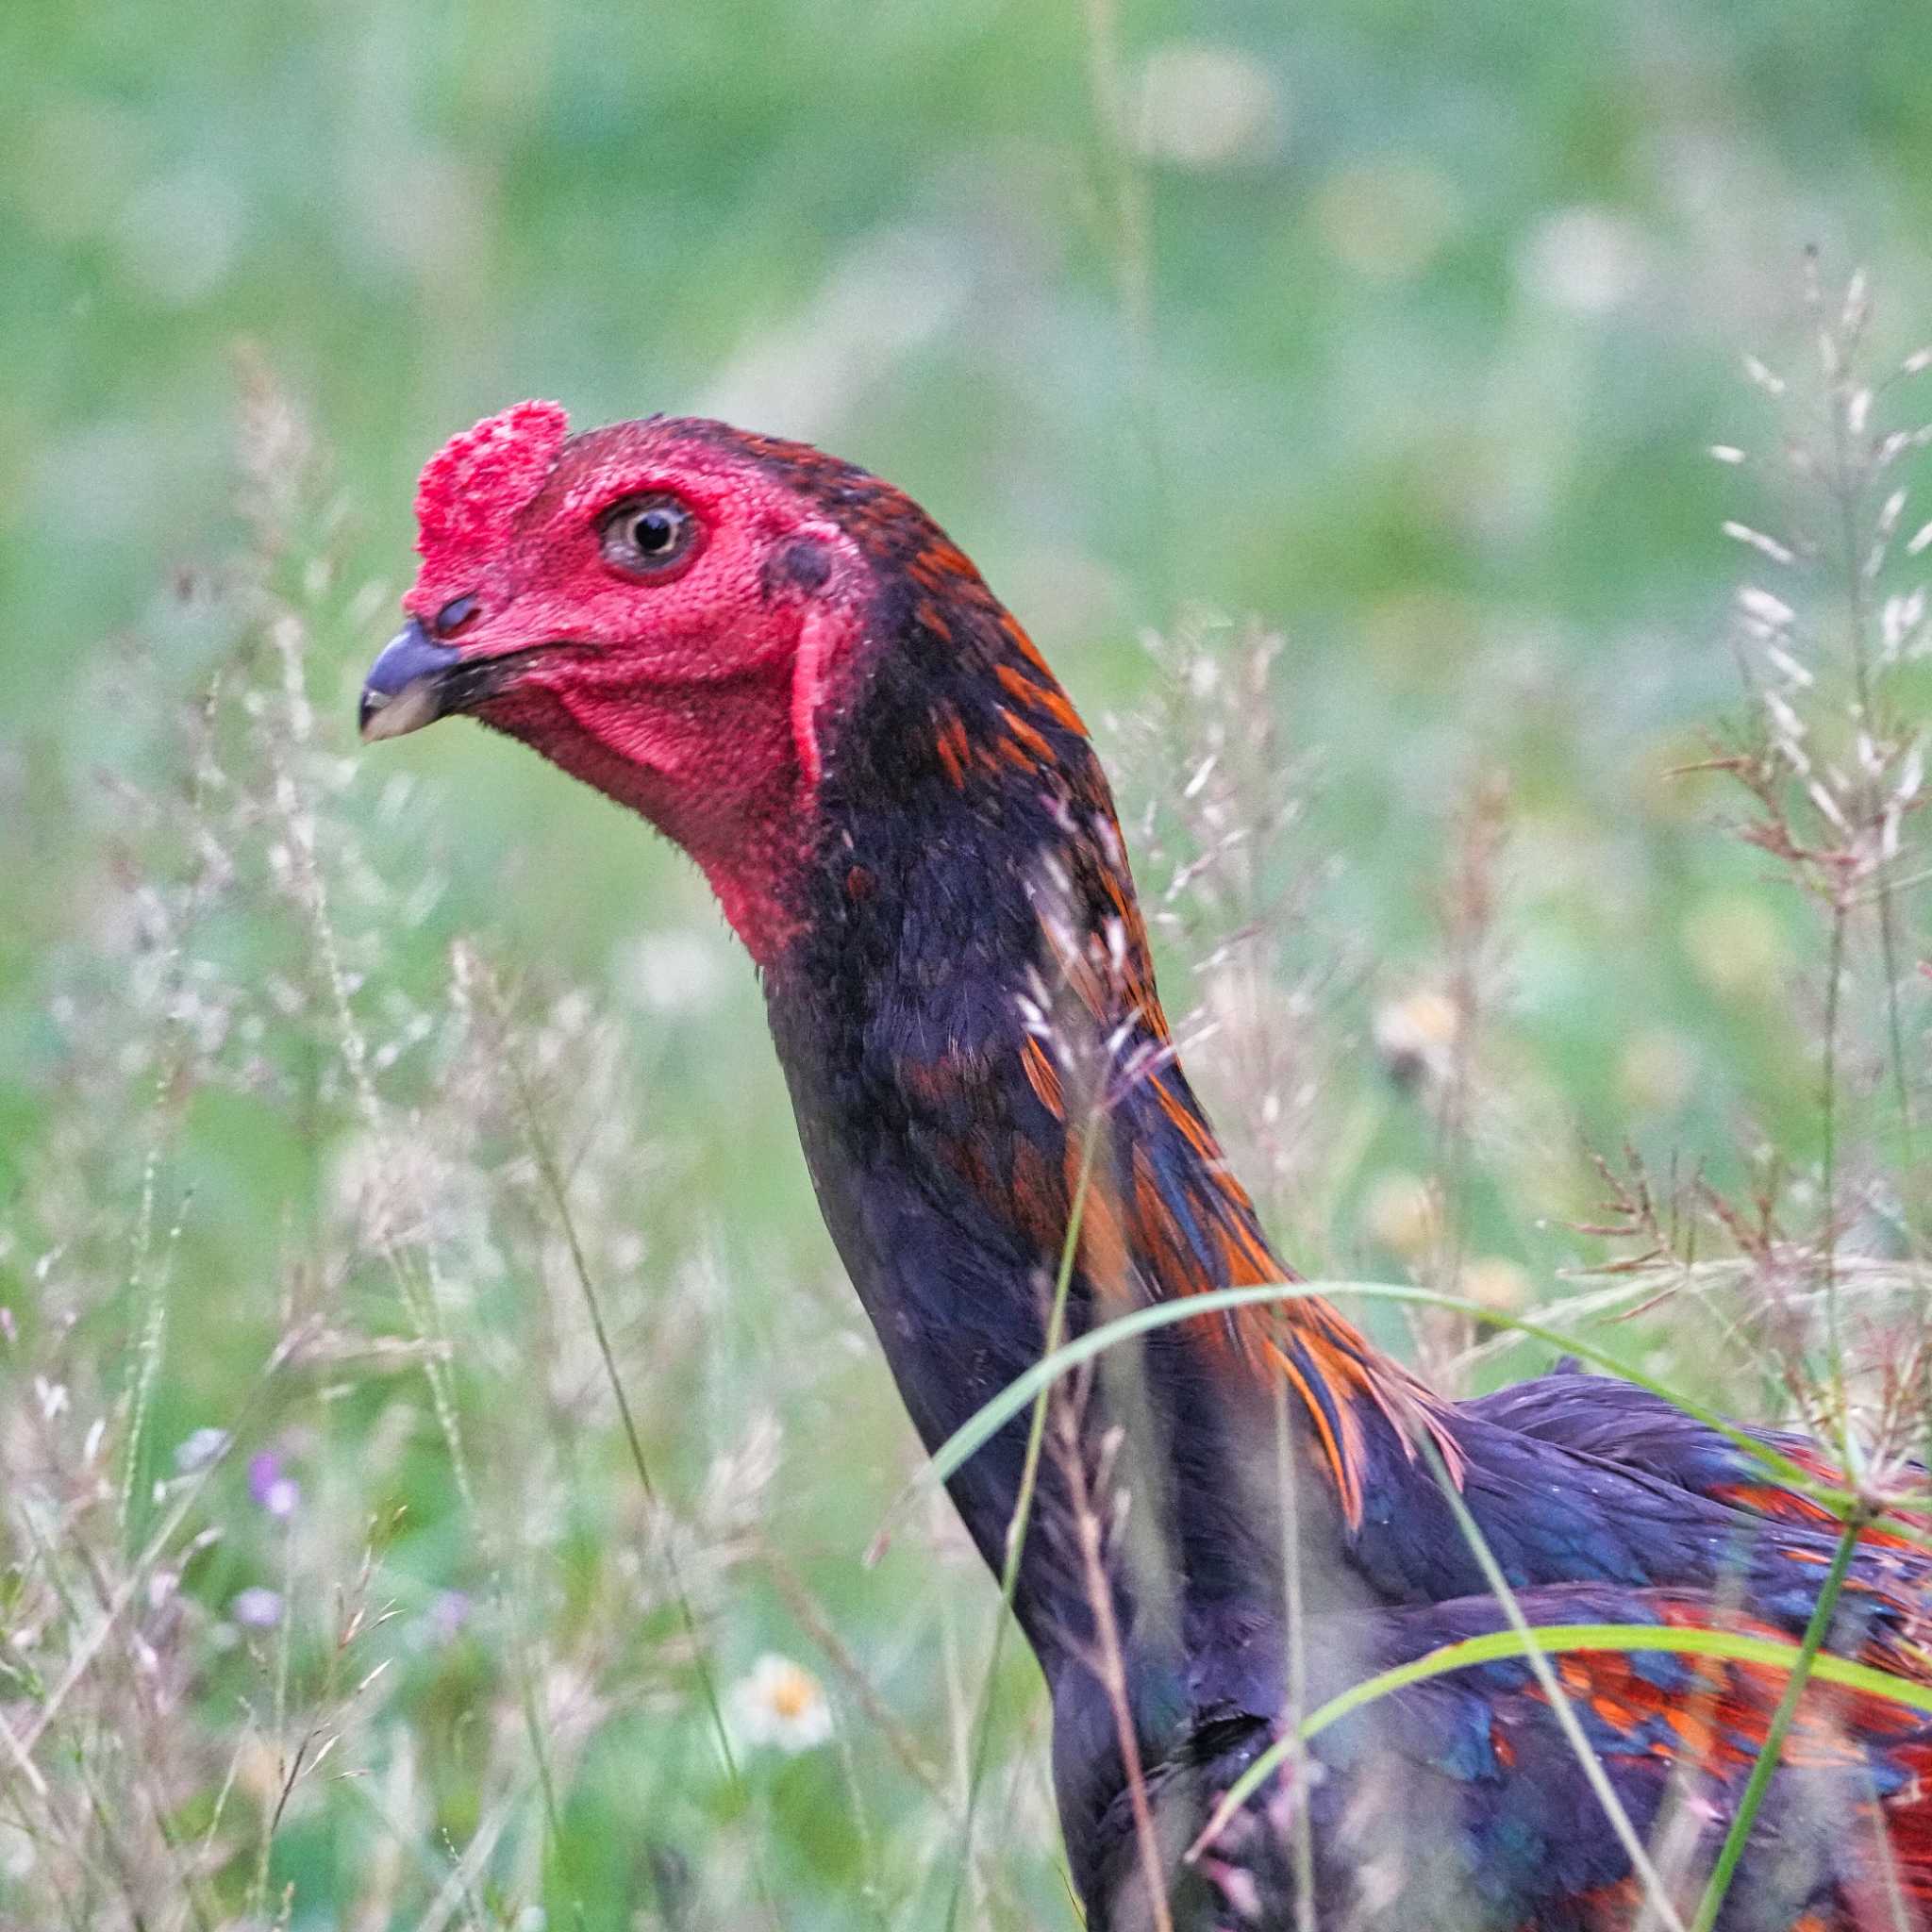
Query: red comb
x=472, y=489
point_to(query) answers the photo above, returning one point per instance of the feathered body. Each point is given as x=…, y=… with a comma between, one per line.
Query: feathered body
x=820, y=698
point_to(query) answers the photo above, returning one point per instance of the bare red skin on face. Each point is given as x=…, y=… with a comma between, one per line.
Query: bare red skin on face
x=693, y=697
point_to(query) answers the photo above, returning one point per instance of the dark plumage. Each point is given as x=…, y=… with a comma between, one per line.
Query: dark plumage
x=807, y=685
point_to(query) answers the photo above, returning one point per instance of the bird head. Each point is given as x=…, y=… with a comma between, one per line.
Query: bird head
x=671, y=610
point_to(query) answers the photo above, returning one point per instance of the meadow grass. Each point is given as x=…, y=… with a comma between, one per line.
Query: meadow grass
x=450, y=1612
x=438, y=1448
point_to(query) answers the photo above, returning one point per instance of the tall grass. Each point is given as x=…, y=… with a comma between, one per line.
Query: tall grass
x=450, y=1612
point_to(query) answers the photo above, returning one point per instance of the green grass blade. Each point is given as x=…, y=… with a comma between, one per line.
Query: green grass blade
x=1022, y=1512
x=993, y=1415
x=1657, y=1893
x=1557, y=1640
x=1803, y=1670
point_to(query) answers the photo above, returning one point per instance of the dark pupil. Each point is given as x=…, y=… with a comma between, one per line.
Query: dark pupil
x=654, y=532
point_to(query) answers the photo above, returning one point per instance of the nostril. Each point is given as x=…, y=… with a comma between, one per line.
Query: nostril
x=456, y=615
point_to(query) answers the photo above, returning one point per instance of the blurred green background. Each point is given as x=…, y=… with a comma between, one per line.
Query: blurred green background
x=1402, y=329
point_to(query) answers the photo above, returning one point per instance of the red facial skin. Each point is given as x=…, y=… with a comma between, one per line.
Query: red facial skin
x=690, y=694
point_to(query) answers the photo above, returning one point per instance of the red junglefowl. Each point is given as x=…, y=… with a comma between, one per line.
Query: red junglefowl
x=783, y=664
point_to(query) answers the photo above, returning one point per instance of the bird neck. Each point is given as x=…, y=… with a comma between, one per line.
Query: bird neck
x=969, y=1024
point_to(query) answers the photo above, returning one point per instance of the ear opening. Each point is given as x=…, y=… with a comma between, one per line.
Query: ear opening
x=817, y=634
x=804, y=569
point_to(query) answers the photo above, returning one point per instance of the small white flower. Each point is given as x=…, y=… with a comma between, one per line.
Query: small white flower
x=1202, y=105
x=1585, y=259
x=780, y=1703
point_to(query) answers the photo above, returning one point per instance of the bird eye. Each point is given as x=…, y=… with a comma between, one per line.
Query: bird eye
x=456, y=615
x=644, y=536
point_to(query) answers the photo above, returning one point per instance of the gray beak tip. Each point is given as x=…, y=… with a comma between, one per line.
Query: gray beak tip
x=404, y=686
x=383, y=715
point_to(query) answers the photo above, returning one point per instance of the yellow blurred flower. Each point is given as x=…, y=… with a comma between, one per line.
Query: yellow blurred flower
x=1735, y=944
x=1400, y=1213
x=1654, y=1072
x=1416, y=1036
x=1387, y=219
x=1498, y=1283
x=1420, y=637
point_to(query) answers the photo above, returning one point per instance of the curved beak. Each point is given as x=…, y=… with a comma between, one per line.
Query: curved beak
x=408, y=686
